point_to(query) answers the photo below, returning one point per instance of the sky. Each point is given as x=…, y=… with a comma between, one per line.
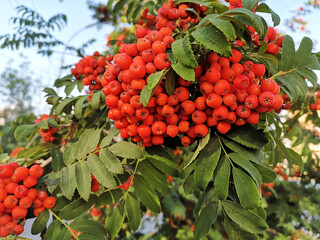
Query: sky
x=47, y=69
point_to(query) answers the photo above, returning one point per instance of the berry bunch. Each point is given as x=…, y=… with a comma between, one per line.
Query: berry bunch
x=146, y=20
x=227, y=92
x=316, y=104
x=91, y=67
x=17, y=196
x=47, y=134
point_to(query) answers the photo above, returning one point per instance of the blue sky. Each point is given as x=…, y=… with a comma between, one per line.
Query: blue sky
x=47, y=69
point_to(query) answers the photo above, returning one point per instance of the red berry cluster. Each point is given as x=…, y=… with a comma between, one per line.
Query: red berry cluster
x=265, y=187
x=91, y=67
x=17, y=196
x=146, y=20
x=316, y=105
x=279, y=171
x=47, y=134
x=234, y=3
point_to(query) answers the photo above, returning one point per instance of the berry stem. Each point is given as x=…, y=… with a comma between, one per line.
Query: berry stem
x=60, y=220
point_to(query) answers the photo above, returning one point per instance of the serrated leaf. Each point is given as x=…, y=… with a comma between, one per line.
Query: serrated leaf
x=88, y=226
x=76, y=208
x=109, y=197
x=288, y=53
x=108, y=139
x=263, y=48
x=207, y=217
x=255, y=19
x=183, y=71
x=42, y=124
x=304, y=51
x=79, y=106
x=101, y=173
x=309, y=74
x=68, y=181
x=113, y=222
x=145, y=95
x=244, y=218
x=111, y=162
x=248, y=136
x=137, y=14
x=64, y=234
x=53, y=181
x=130, y=10
x=213, y=39
x=83, y=176
x=266, y=9
x=191, y=1
x=40, y=223
x=225, y=26
x=249, y=4
x=221, y=178
x=133, y=211
x=246, y=189
x=146, y=194
x=126, y=150
x=234, y=231
x=88, y=142
x=181, y=48
x=57, y=159
x=189, y=185
x=95, y=101
x=153, y=176
x=155, y=78
x=50, y=92
x=248, y=166
x=24, y=131
x=69, y=88
x=208, y=160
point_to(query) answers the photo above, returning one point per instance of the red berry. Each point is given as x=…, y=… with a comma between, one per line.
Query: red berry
x=36, y=171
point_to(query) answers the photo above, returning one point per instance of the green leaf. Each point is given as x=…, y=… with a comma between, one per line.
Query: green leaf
x=162, y=160
x=253, y=18
x=145, y=95
x=202, y=143
x=109, y=197
x=254, y=155
x=53, y=230
x=267, y=174
x=153, y=176
x=100, y=171
x=88, y=226
x=79, y=106
x=234, y=231
x=263, y=48
x=189, y=185
x=225, y=26
x=24, y=131
x=53, y=181
x=245, y=219
x=68, y=181
x=183, y=71
x=213, y=39
x=137, y=14
x=83, y=176
x=95, y=101
x=190, y=1
x=126, y=150
x=155, y=78
x=113, y=222
x=221, y=178
x=130, y=10
x=88, y=142
x=42, y=124
x=208, y=160
x=50, y=92
x=111, y=162
x=246, y=189
x=133, y=212
x=146, y=194
x=309, y=74
x=248, y=166
x=208, y=215
x=304, y=51
x=76, y=208
x=288, y=53
x=248, y=136
x=108, y=139
x=64, y=234
x=266, y=9
x=90, y=236
x=63, y=104
x=69, y=88
x=181, y=48
x=69, y=153
x=119, y=6
x=57, y=159
x=249, y=4
x=40, y=223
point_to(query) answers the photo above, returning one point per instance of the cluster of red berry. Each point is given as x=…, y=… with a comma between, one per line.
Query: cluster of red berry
x=170, y=14
x=234, y=3
x=316, y=104
x=17, y=196
x=47, y=134
x=91, y=67
x=265, y=189
x=279, y=171
x=146, y=20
